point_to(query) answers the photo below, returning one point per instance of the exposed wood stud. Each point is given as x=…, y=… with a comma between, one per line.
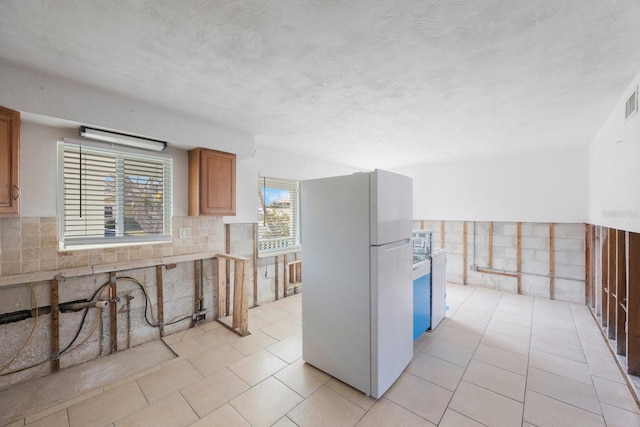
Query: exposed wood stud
x=113, y=305
x=255, y=265
x=441, y=234
x=197, y=294
x=597, y=274
x=611, y=304
x=464, y=252
x=227, y=250
x=240, y=316
x=238, y=274
x=490, y=261
x=551, y=261
x=244, y=307
x=604, y=278
x=159, y=291
x=285, y=273
x=221, y=288
x=275, y=264
x=621, y=294
x=588, y=265
x=55, y=327
x=633, y=301
x=519, y=256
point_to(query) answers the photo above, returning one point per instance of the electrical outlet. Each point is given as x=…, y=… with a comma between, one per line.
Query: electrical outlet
x=185, y=233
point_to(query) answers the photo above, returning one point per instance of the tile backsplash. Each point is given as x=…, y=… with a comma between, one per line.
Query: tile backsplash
x=30, y=244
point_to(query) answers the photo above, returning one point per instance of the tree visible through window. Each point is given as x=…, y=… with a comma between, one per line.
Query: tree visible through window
x=111, y=196
x=278, y=209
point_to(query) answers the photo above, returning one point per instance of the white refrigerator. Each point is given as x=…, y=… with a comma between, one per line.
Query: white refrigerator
x=357, y=299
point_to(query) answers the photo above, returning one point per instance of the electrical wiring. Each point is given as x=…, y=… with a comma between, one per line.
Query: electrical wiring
x=15, y=371
x=184, y=316
x=148, y=306
x=84, y=318
x=33, y=328
x=93, y=331
x=149, y=317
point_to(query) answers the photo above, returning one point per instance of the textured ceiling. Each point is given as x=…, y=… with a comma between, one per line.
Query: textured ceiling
x=362, y=83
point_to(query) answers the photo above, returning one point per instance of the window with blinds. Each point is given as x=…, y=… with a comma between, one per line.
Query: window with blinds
x=279, y=214
x=112, y=196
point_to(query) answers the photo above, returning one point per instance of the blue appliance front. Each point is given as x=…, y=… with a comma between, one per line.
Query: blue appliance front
x=421, y=305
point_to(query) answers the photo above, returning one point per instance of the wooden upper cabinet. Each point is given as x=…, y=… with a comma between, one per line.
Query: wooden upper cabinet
x=9, y=162
x=212, y=182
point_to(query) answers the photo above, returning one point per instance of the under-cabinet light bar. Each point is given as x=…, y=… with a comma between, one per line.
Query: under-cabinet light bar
x=122, y=139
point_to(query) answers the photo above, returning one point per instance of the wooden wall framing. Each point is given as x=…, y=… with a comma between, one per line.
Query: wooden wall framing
x=633, y=303
x=551, y=261
x=519, y=257
x=464, y=253
x=55, y=327
x=613, y=289
x=240, y=315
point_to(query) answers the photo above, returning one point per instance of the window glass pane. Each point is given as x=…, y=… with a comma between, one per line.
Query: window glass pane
x=87, y=178
x=111, y=196
x=278, y=211
x=143, y=197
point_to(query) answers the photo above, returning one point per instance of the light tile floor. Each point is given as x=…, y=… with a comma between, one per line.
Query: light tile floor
x=496, y=360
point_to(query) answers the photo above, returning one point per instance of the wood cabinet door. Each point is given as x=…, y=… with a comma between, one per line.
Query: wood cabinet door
x=9, y=162
x=212, y=182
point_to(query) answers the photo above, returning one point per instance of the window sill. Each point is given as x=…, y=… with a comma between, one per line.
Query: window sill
x=278, y=252
x=81, y=247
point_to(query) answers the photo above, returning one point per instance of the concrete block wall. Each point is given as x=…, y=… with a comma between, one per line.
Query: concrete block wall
x=241, y=238
x=178, y=290
x=30, y=245
x=178, y=302
x=568, y=256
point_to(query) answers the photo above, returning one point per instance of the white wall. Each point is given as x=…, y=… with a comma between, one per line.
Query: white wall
x=277, y=164
x=29, y=92
x=38, y=173
x=548, y=186
x=38, y=169
x=614, y=169
x=39, y=165
x=59, y=107
x=246, y=192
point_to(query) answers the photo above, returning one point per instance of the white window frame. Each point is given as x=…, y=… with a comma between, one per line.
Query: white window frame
x=119, y=237
x=277, y=245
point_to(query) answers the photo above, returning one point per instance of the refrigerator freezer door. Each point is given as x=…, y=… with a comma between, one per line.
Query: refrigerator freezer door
x=391, y=207
x=391, y=314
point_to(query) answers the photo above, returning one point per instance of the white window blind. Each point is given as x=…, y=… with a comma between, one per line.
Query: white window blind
x=279, y=214
x=112, y=196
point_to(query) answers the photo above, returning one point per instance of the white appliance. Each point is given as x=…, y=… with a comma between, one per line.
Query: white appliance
x=357, y=304
x=438, y=286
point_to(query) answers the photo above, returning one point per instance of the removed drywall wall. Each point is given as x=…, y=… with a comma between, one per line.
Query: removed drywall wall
x=270, y=272
x=496, y=266
x=84, y=335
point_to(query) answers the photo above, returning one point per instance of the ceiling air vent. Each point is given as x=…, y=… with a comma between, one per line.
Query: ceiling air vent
x=631, y=106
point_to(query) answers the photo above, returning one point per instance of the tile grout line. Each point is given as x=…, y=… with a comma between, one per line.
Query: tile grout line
x=634, y=395
x=588, y=367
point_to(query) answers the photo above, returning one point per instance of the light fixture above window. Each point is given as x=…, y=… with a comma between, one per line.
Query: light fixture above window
x=123, y=139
